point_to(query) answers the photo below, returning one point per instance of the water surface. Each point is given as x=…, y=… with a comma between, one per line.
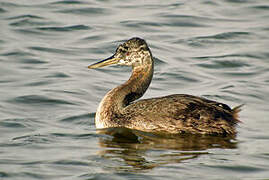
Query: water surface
x=48, y=97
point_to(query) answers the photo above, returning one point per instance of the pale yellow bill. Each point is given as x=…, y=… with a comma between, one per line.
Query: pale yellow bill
x=105, y=62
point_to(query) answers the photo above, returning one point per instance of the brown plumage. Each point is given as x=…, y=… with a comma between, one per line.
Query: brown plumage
x=178, y=113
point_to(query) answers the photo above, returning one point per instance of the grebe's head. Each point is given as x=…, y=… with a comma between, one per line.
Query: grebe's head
x=134, y=52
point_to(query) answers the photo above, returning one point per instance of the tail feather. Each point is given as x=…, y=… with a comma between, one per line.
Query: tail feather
x=236, y=111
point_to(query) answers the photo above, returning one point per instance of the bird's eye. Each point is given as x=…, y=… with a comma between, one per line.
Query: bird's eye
x=224, y=106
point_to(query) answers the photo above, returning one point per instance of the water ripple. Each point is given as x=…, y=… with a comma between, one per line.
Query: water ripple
x=221, y=38
x=220, y=64
x=70, y=163
x=69, y=2
x=261, y=7
x=66, y=28
x=12, y=123
x=33, y=139
x=2, y=10
x=86, y=11
x=33, y=61
x=76, y=117
x=25, y=16
x=28, y=22
x=238, y=168
x=17, y=53
x=41, y=100
x=50, y=50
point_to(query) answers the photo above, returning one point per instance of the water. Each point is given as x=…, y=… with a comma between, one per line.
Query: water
x=48, y=97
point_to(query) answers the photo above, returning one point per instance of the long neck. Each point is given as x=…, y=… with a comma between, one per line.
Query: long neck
x=121, y=96
x=136, y=86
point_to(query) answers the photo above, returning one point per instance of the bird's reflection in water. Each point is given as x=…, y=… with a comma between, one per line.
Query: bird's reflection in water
x=142, y=151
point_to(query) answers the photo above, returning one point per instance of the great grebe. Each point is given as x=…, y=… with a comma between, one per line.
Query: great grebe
x=177, y=113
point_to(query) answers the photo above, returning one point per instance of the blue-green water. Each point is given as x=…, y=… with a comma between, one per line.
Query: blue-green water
x=48, y=97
